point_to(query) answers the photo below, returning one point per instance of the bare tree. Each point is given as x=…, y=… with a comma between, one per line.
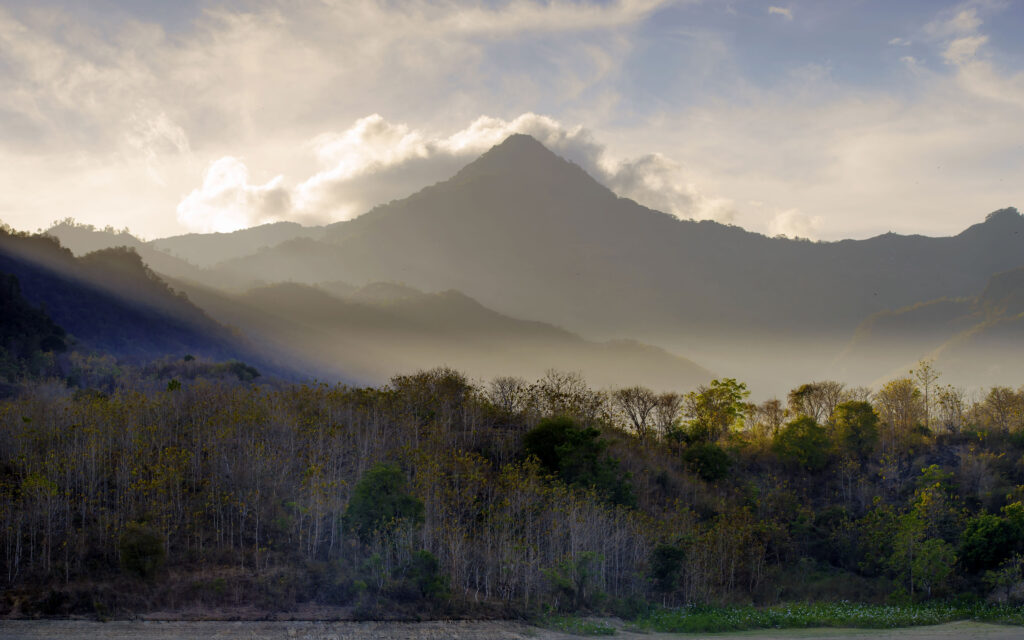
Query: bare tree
x=666, y=412
x=638, y=403
x=816, y=399
x=951, y=406
x=509, y=394
x=769, y=416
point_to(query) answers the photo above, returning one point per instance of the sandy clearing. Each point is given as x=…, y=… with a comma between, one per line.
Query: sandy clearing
x=177, y=630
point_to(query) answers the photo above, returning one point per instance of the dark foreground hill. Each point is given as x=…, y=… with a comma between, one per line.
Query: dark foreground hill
x=110, y=301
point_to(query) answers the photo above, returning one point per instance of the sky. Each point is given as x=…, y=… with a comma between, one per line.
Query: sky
x=823, y=120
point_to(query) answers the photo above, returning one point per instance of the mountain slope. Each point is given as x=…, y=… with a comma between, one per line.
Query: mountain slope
x=531, y=235
x=382, y=330
x=110, y=301
x=975, y=341
x=206, y=250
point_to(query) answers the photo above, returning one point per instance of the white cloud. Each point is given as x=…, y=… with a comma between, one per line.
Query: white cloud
x=227, y=202
x=958, y=21
x=375, y=161
x=962, y=50
x=899, y=42
x=795, y=224
x=781, y=11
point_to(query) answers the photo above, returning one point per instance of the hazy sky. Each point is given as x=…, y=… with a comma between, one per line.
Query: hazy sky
x=821, y=119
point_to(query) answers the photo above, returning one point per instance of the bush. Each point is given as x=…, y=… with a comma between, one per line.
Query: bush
x=578, y=457
x=380, y=500
x=142, y=550
x=707, y=460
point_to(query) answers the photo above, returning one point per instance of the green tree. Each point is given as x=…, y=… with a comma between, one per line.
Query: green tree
x=666, y=567
x=933, y=565
x=986, y=541
x=707, y=460
x=712, y=409
x=578, y=456
x=424, y=572
x=802, y=443
x=855, y=428
x=142, y=550
x=379, y=500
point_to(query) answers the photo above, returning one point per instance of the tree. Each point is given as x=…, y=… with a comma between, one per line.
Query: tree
x=142, y=550
x=707, y=460
x=666, y=412
x=578, y=456
x=769, y=416
x=666, y=567
x=986, y=541
x=1003, y=409
x=509, y=394
x=380, y=500
x=934, y=564
x=901, y=408
x=951, y=408
x=713, y=409
x=638, y=403
x=926, y=375
x=816, y=399
x=854, y=427
x=802, y=443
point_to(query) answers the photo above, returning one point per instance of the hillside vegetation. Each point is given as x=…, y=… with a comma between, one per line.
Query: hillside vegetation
x=432, y=496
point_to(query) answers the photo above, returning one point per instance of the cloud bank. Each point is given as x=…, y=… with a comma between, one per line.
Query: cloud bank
x=114, y=115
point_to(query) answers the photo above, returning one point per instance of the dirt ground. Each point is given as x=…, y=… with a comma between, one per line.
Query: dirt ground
x=179, y=630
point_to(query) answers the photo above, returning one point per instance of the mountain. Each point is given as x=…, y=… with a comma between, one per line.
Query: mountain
x=384, y=329
x=531, y=235
x=110, y=301
x=83, y=238
x=206, y=250
x=974, y=341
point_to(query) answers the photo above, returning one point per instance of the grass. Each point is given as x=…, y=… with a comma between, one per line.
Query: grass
x=703, y=619
x=576, y=625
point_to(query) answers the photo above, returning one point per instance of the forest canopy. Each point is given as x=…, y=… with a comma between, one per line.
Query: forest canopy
x=433, y=493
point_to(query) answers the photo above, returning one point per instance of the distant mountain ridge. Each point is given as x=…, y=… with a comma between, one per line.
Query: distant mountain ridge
x=531, y=235
x=370, y=334
x=975, y=340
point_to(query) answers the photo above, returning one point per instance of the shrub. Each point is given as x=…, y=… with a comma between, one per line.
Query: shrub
x=142, y=550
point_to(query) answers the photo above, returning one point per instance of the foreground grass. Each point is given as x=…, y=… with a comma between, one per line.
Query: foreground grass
x=576, y=625
x=702, y=619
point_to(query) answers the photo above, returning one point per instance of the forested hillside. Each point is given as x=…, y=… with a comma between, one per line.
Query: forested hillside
x=110, y=301
x=433, y=496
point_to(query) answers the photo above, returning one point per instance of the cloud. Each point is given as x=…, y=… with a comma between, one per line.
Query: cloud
x=899, y=42
x=227, y=202
x=963, y=50
x=781, y=11
x=793, y=223
x=100, y=93
x=375, y=161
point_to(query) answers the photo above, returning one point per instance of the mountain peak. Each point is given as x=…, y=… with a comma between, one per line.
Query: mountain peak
x=522, y=159
x=516, y=149
x=1003, y=216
